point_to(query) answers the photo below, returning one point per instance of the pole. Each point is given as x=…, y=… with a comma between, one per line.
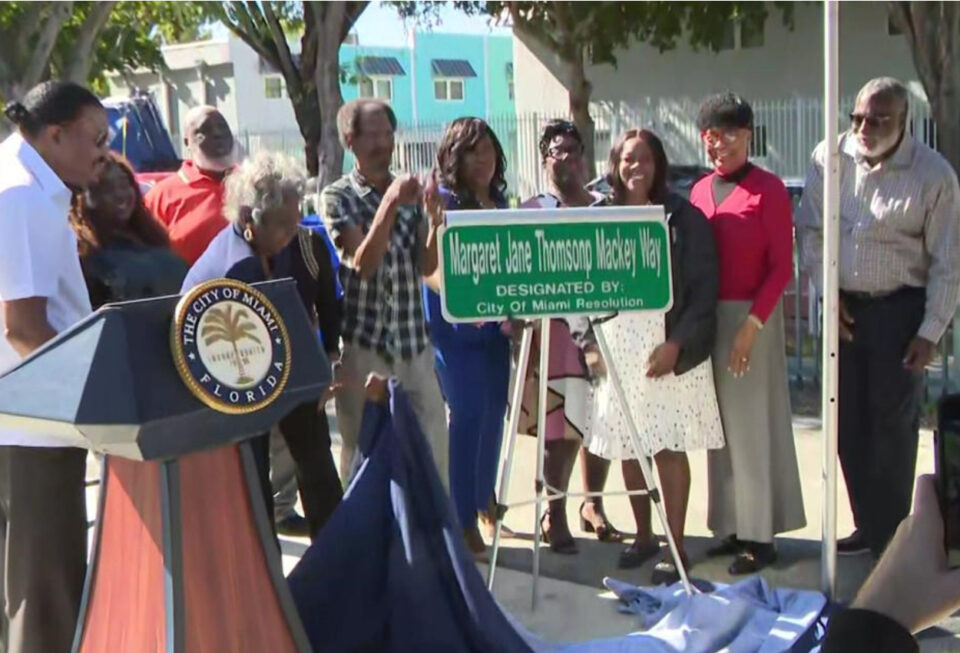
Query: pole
x=544, y=382
x=510, y=436
x=831, y=299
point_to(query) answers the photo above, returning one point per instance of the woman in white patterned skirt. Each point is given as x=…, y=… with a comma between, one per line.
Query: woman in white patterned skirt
x=662, y=361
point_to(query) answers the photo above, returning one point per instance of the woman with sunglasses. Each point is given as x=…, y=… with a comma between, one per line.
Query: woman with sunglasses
x=754, y=481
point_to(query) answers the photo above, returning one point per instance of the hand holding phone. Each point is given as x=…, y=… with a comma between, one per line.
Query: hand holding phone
x=948, y=473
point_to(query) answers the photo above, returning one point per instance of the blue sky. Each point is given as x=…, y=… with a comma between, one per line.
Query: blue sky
x=380, y=25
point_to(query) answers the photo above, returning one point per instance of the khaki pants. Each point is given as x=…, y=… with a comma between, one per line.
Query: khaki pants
x=419, y=381
x=43, y=519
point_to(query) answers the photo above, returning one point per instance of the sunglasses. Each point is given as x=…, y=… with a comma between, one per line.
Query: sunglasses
x=873, y=122
x=715, y=136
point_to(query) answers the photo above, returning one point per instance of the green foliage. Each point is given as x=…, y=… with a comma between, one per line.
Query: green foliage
x=128, y=36
x=599, y=29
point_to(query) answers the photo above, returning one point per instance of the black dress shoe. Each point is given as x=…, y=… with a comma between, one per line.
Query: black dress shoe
x=752, y=559
x=853, y=545
x=729, y=546
x=294, y=525
x=666, y=572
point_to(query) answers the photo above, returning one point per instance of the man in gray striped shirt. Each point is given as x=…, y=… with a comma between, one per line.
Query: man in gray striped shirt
x=899, y=285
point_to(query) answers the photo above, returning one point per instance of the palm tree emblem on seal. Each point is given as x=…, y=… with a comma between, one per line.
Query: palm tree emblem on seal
x=227, y=325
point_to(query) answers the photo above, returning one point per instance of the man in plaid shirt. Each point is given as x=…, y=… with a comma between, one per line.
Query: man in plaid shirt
x=386, y=245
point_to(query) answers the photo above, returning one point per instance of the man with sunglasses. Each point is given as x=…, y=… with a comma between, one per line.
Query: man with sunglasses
x=899, y=285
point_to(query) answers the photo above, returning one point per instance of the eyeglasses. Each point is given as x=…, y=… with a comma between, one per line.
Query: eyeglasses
x=715, y=136
x=873, y=122
x=563, y=152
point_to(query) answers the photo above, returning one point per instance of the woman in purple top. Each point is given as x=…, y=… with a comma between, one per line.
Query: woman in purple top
x=472, y=360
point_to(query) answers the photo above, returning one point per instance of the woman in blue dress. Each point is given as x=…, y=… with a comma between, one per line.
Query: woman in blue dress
x=472, y=360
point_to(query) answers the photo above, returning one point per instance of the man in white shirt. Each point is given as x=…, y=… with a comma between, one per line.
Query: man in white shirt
x=60, y=145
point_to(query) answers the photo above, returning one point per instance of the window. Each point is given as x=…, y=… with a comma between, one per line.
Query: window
x=758, y=144
x=376, y=87
x=273, y=87
x=510, y=80
x=448, y=89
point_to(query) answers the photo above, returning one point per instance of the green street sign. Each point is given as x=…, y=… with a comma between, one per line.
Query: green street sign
x=547, y=262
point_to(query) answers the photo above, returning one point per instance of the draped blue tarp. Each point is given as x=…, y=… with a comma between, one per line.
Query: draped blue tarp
x=390, y=572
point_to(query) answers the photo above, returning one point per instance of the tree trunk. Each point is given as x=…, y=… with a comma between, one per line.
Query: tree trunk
x=310, y=124
x=578, y=90
x=37, y=56
x=570, y=59
x=931, y=29
x=327, y=80
x=81, y=58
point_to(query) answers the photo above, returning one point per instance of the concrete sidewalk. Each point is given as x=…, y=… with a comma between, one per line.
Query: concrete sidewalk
x=574, y=606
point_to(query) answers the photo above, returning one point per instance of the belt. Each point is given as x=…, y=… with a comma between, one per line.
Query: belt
x=874, y=295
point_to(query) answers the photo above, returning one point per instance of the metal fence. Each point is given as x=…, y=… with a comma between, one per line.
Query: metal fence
x=785, y=133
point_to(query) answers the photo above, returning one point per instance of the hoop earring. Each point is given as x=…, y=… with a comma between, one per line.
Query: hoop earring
x=248, y=235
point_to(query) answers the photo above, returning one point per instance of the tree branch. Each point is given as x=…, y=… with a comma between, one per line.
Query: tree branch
x=81, y=58
x=290, y=73
x=245, y=30
x=28, y=25
x=40, y=59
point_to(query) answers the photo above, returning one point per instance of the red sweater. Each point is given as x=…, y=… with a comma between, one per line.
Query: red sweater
x=190, y=204
x=753, y=228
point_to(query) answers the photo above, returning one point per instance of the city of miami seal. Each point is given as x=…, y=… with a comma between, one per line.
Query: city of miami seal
x=230, y=346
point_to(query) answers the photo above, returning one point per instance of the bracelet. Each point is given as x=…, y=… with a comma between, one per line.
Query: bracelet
x=757, y=322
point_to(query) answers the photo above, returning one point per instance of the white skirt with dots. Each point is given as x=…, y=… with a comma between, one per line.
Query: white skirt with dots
x=672, y=412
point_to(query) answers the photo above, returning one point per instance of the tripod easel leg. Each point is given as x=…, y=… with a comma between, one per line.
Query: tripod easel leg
x=653, y=488
x=510, y=436
x=544, y=383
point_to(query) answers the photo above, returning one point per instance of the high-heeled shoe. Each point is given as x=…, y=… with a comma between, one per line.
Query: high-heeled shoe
x=605, y=532
x=565, y=546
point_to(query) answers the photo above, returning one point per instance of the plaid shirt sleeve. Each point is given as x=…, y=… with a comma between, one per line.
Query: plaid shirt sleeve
x=422, y=232
x=337, y=214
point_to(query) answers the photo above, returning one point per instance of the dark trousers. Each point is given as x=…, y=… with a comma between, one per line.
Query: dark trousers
x=880, y=404
x=307, y=434
x=43, y=524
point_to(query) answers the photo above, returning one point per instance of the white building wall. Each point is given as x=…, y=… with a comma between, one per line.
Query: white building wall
x=198, y=73
x=255, y=111
x=789, y=64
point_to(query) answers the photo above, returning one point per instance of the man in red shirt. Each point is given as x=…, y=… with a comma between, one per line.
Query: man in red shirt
x=190, y=202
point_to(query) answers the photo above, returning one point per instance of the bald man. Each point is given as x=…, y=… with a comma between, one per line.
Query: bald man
x=190, y=202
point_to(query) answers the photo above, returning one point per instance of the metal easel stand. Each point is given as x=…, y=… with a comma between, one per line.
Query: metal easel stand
x=512, y=431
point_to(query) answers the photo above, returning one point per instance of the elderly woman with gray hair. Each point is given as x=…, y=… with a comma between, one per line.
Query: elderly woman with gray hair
x=264, y=240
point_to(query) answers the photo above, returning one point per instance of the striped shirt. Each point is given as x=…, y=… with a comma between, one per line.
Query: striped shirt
x=384, y=314
x=899, y=226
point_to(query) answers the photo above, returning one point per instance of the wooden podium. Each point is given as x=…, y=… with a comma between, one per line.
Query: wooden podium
x=184, y=559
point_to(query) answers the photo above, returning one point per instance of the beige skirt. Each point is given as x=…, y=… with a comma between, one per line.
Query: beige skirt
x=754, y=481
